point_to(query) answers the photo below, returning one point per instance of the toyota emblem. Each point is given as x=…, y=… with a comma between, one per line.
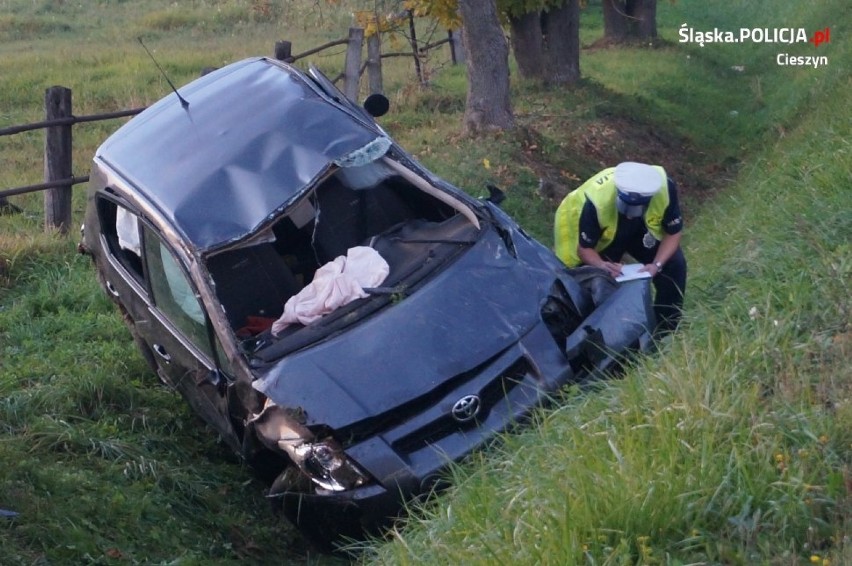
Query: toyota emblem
x=466, y=408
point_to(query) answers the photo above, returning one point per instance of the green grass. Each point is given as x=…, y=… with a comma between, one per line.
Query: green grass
x=100, y=460
x=732, y=446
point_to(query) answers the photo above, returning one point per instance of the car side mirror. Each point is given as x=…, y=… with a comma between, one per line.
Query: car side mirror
x=377, y=105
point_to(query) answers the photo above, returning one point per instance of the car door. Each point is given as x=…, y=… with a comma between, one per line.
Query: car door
x=119, y=262
x=169, y=324
x=180, y=335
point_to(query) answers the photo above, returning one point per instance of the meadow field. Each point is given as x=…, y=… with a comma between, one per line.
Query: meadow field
x=732, y=445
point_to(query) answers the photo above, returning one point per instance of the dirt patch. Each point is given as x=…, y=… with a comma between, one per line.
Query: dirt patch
x=609, y=140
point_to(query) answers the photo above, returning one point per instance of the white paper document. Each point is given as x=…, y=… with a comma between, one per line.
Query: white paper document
x=630, y=271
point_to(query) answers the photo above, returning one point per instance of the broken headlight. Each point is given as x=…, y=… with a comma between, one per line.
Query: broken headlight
x=322, y=460
x=559, y=314
x=325, y=463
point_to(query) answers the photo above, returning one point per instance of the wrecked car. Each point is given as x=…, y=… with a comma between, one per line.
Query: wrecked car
x=348, y=322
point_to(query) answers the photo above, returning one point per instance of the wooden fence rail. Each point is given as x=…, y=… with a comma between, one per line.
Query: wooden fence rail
x=59, y=119
x=69, y=121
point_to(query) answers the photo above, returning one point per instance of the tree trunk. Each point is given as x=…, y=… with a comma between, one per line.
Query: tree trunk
x=645, y=24
x=561, y=30
x=615, y=20
x=527, y=45
x=629, y=19
x=488, y=105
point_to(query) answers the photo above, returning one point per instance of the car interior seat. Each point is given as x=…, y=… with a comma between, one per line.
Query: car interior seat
x=348, y=217
x=252, y=281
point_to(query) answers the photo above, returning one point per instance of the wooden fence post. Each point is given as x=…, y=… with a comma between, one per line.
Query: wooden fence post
x=456, y=47
x=284, y=51
x=352, y=70
x=57, y=160
x=412, y=38
x=374, y=64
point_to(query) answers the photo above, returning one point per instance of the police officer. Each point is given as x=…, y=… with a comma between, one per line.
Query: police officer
x=629, y=209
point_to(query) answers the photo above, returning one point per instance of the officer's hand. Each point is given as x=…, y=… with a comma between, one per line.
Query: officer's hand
x=614, y=269
x=650, y=268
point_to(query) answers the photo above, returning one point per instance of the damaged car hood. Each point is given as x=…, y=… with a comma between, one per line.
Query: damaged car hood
x=254, y=136
x=458, y=321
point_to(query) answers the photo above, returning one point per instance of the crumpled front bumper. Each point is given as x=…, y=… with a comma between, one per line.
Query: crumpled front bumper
x=410, y=459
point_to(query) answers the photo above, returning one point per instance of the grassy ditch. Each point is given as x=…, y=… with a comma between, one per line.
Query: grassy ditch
x=732, y=446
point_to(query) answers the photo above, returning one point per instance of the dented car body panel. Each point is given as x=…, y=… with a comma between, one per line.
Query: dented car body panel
x=445, y=318
x=266, y=147
x=207, y=223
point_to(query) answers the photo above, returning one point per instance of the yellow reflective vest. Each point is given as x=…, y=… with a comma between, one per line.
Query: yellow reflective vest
x=601, y=192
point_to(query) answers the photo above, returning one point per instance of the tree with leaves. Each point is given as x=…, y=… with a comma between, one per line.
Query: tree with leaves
x=488, y=106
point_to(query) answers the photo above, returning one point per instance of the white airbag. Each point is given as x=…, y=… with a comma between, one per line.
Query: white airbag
x=335, y=284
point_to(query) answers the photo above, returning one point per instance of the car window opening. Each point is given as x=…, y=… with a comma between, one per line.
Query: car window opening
x=413, y=226
x=121, y=232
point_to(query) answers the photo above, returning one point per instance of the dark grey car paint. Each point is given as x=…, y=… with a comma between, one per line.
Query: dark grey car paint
x=258, y=135
x=220, y=168
x=463, y=316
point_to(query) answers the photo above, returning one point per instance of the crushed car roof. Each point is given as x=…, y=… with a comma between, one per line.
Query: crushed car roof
x=255, y=134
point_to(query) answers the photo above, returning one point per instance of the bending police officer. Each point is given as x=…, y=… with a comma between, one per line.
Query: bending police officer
x=628, y=209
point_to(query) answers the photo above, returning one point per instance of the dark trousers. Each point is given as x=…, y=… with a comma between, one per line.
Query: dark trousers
x=669, y=283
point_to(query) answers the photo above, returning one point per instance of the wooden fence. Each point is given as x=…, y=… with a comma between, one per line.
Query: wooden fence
x=59, y=178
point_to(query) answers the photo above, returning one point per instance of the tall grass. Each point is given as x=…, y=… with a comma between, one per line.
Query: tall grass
x=734, y=444
x=731, y=446
x=98, y=459
x=102, y=463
